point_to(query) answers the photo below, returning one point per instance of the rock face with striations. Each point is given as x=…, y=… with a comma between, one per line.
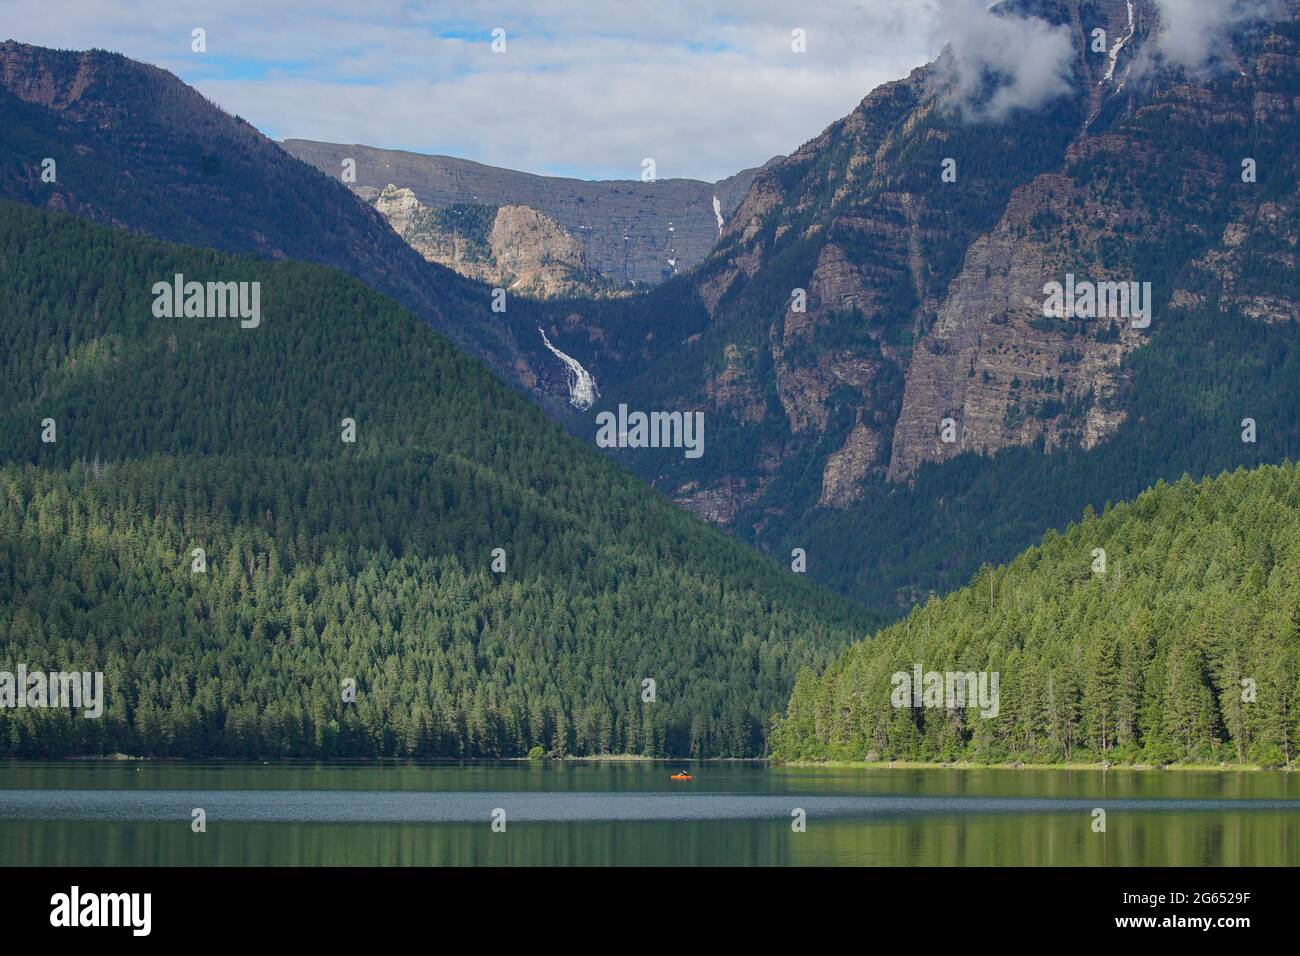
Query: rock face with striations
x=867, y=317
x=631, y=233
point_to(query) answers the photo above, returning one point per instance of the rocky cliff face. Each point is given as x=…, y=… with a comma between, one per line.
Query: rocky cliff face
x=868, y=315
x=632, y=234
x=511, y=247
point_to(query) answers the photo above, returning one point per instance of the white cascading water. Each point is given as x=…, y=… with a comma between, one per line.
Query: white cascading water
x=582, y=386
x=1119, y=45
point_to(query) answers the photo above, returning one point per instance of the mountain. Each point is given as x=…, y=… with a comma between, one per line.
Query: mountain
x=135, y=148
x=868, y=341
x=489, y=583
x=631, y=233
x=923, y=298
x=1162, y=630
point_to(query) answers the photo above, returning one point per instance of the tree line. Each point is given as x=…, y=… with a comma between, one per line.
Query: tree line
x=1162, y=630
x=325, y=561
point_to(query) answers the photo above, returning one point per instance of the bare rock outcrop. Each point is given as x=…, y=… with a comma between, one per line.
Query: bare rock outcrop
x=515, y=247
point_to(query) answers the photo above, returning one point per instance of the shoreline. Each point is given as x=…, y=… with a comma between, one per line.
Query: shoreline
x=1019, y=765
x=636, y=758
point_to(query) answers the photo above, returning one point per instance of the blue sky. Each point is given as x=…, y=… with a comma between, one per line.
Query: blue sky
x=584, y=87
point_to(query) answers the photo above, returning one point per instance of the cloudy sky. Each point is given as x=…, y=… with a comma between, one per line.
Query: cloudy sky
x=585, y=87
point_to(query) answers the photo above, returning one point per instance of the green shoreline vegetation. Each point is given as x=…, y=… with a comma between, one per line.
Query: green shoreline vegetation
x=1164, y=631
x=971, y=765
x=642, y=758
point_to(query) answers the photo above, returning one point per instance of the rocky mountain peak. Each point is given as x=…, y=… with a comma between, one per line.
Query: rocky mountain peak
x=877, y=301
x=632, y=234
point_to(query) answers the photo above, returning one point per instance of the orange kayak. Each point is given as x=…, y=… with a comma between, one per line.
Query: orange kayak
x=681, y=776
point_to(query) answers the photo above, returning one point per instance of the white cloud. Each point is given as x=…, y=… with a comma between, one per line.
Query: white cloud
x=585, y=87
x=1191, y=31
x=1027, y=58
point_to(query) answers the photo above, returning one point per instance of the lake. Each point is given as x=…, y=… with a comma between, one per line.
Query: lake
x=123, y=813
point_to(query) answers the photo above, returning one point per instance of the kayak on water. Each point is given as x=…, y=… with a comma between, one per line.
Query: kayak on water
x=681, y=776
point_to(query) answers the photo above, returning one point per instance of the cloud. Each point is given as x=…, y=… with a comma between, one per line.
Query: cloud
x=585, y=87
x=999, y=62
x=1191, y=31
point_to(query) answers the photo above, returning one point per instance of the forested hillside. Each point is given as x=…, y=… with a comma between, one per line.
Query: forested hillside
x=137, y=149
x=329, y=561
x=1184, y=645
x=924, y=305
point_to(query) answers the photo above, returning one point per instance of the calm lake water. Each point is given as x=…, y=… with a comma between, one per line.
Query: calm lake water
x=123, y=813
